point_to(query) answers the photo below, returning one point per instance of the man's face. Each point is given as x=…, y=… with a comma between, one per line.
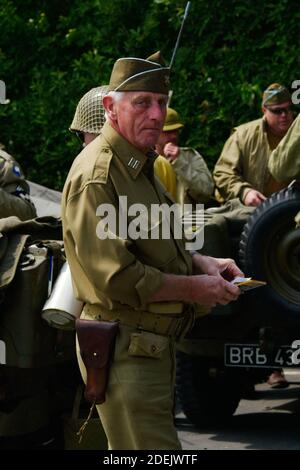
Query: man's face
x=279, y=117
x=139, y=117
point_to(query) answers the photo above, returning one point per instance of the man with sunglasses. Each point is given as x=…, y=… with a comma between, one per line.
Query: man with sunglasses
x=242, y=169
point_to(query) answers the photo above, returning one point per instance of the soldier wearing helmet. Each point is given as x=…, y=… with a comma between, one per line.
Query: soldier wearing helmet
x=89, y=115
x=14, y=190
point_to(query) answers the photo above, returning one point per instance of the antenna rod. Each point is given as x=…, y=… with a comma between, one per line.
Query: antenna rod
x=186, y=12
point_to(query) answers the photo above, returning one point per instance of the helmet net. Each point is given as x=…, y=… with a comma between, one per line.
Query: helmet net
x=90, y=113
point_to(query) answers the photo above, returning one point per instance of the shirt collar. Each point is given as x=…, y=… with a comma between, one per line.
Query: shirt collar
x=133, y=159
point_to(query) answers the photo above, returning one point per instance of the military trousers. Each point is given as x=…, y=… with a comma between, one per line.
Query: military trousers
x=138, y=411
x=223, y=228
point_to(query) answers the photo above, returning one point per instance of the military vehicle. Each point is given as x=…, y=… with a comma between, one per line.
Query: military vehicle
x=41, y=405
x=41, y=392
x=241, y=343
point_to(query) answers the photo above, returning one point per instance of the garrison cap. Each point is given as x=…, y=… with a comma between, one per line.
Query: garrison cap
x=276, y=94
x=134, y=74
x=90, y=113
x=172, y=120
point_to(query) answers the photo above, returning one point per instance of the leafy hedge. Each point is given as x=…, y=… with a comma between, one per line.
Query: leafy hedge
x=52, y=52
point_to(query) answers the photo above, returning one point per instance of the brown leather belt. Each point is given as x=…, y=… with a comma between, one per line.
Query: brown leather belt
x=165, y=324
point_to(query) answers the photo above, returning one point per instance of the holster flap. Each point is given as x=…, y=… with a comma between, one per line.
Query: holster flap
x=95, y=338
x=96, y=341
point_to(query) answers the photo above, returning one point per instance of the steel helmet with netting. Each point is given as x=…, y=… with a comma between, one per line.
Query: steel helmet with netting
x=90, y=113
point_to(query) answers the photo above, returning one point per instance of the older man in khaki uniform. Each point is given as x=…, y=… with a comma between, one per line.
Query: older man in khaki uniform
x=284, y=162
x=149, y=285
x=242, y=169
x=14, y=191
x=182, y=170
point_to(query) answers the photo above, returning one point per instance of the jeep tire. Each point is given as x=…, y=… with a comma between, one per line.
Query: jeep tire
x=270, y=251
x=206, y=395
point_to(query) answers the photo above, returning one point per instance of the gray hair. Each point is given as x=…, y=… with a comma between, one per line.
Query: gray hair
x=116, y=96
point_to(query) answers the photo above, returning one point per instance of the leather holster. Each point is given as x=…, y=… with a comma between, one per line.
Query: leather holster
x=96, y=341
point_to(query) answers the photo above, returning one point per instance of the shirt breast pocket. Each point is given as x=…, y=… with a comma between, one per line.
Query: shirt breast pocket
x=156, y=253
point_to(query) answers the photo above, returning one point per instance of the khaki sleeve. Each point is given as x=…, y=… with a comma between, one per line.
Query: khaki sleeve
x=284, y=161
x=193, y=171
x=110, y=263
x=14, y=190
x=228, y=172
x=12, y=178
x=20, y=206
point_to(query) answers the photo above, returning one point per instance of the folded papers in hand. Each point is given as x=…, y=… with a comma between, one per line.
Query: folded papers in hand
x=247, y=283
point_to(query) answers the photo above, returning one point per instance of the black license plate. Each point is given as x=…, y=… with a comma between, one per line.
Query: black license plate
x=250, y=355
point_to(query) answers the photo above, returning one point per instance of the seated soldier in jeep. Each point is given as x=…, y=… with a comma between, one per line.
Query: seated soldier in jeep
x=14, y=190
x=242, y=172
x=284, y=162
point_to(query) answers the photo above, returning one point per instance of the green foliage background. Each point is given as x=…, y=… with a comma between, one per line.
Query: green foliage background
x=52, y=52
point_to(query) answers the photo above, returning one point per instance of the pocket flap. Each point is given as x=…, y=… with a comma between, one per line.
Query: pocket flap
x=147, y=344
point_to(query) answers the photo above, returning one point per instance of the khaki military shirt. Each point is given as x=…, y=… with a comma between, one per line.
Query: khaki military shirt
x=14, y=190
x=284, y=162
x=120, y=272
x=194, y=180
x=243, y=163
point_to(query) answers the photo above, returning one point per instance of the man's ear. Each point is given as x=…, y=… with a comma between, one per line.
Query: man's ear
x=109, y=106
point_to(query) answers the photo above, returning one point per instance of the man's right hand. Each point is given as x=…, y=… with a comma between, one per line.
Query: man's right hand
x=207, y=290
x=212, y=290
x=171, y=151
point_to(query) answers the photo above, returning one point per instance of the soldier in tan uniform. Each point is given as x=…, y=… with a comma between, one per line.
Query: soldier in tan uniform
x=242, y=169
x=284, y=162
x=89, y=116
x=192, y=181
x=14, y=190
x=149, y=285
